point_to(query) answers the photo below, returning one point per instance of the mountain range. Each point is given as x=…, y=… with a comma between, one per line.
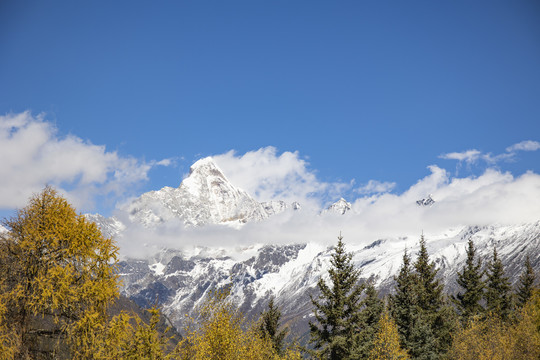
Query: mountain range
x=180, y=279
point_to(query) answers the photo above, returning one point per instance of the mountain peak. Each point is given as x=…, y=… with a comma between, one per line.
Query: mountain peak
x=205, y=196
x=205, y=167
x=204, y=162
x=203, y=173
x=340, y=207
x=426, y=201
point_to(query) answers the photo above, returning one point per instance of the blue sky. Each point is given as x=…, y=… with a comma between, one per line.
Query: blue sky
x=359, y=90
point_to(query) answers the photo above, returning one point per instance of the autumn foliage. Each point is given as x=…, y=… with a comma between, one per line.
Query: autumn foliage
x=495, y=339
x=221, y=333
x=57, y=273
x=386, y=344
x=58, y=278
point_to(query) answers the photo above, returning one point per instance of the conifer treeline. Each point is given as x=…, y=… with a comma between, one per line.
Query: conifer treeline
x=58, y=279
x=485, y=320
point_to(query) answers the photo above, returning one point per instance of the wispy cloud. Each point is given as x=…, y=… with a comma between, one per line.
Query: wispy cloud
x=472, y=156
x=527, y=145
x=469, y=156
x=376, y=187
x=165, y=162
x=32, y=154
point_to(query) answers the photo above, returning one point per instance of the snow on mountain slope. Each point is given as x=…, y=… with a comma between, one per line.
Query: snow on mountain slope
x=204, y=197
x=179, y=280
x=274, y=207
x=339, y=207
x=290, y=272
x=110, y=227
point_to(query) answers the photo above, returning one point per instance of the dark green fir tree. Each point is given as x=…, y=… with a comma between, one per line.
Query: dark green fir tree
x=269, y=327
x=430, y=297
x=403, y=302
x=526, y=284
x=372, y=309
x=498, y=294
x=432, y=330
x=423, y=316
x=470, y=280
x=337, y=308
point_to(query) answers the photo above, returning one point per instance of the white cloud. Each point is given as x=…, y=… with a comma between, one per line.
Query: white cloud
x=472, y=156
x=268, y=176
x=32, y=155
x=469, y=156
x=375, y=187
x=165, y=162
x=527, y=145
x=494, y=197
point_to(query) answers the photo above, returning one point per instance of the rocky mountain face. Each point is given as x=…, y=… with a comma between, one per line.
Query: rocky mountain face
x=180, y=280
x=426, y=201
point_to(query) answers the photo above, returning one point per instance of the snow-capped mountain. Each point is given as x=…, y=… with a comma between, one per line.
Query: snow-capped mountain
x=426, y=201
x=204, y=197
x=181, y=279
x=339, y=207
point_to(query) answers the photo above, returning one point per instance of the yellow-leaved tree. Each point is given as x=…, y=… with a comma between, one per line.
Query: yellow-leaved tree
x=223, y=334
x=386, y=343
x=57, y=272
x=494, y=339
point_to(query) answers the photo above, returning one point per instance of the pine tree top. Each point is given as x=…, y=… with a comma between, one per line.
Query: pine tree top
x=337, y=308
x=526, y=283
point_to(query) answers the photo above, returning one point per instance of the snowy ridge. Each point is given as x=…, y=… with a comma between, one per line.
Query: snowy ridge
x=180, y=280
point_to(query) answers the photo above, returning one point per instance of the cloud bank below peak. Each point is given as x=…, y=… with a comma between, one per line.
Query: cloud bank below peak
x=493, y=197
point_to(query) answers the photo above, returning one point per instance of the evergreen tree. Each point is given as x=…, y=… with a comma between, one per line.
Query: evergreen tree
x=498, y=295
x=427, y=335
x=423, y=341
x=403, y=302
x=429, y=287
x=470, y=279
x=269, y=327
x=526, y=283
x=423, y=317
x=368, y=327
x=337, y=308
